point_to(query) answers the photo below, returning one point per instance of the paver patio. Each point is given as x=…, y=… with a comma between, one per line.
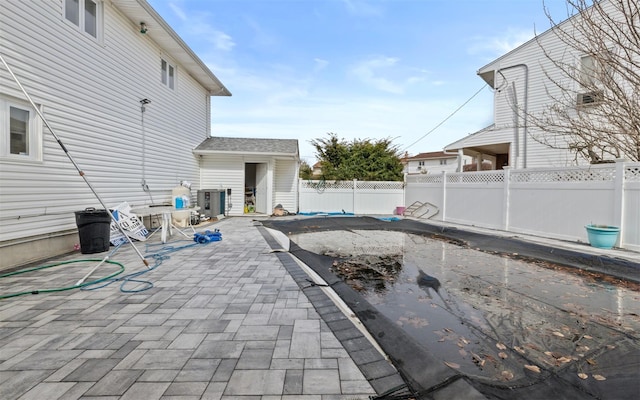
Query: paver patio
x=225, y=320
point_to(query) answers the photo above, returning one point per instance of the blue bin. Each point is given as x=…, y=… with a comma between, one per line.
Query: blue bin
x=602, y=236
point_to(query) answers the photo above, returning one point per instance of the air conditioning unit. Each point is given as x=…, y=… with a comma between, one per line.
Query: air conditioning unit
x=589, y=98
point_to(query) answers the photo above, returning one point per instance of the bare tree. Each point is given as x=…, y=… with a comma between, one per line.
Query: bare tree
x=595, y=107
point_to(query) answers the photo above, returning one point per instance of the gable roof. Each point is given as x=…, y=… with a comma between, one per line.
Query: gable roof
x=431, y=155
x=487, y=73
x=227, y=145
x=163, y=35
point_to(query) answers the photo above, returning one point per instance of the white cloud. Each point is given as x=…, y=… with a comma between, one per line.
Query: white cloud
x=498, y=45
x=178, y=11
x=387, y=75
x=368, y=73
x=320, y=64
x=363, y=8
x=198, y=26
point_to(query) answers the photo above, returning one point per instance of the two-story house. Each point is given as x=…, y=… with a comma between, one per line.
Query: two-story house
x=525, y=84
x=434, y=162
x=128, y=99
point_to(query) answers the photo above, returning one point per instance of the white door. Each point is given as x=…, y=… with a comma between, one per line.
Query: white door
x=261, y=188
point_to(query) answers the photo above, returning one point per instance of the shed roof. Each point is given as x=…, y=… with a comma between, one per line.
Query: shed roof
x=227, y=145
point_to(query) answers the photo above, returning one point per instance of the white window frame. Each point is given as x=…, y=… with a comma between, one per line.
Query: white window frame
x=168, y=75
x=34, y=131
x=81, y=24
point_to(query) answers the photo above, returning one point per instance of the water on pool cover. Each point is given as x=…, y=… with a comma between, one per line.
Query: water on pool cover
x=492, y=317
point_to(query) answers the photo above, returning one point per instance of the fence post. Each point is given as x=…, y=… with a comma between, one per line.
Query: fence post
x=506, y=195
x=618, y=198
x=355, y=187
x=444, y=196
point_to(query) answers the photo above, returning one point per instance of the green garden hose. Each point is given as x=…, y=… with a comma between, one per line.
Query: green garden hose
x=24, y=271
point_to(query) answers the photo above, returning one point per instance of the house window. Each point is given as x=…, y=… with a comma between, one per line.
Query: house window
x=167, y=74
x=443, y=161
x=590, y=76
x=421, y=163
x=20, y=132
x=85, y=14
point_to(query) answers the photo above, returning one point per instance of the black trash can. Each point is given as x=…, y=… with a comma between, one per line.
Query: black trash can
x=94, y=228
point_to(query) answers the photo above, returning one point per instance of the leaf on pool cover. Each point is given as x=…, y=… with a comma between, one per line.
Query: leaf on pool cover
x=452, y=365
x=502, y=355
x=582, y=375
x=462, y=352
x=477, y=359
x=519, y=349
x=564, y=359
x=558, y=334
x=587, y=337
x=591, y=361
x=533, y=368
x=599, y=377
x=501, y=346
x=508, y=375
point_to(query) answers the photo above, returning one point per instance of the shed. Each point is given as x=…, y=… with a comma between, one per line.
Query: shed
x=257, y=174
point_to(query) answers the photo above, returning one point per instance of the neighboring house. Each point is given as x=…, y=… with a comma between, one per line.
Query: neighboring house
x=128, y=99
x=316, y=170
x=434, y=162
x=522, y=84
x=261, y=173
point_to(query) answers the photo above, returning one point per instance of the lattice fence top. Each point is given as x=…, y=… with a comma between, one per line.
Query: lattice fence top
x=476, y=177
x=424, y=178
x=632, y=173
x=381, y=185
x=322, y=185
x=577, y=174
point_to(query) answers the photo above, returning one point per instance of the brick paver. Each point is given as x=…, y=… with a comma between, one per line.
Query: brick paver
x=226, y=320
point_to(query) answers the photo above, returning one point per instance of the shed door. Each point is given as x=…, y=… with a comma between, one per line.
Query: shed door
x=261, y=188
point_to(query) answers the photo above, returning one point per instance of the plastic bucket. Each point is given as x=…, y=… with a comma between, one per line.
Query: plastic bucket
x=93, y=230
x=400, y=210
x=602, y=236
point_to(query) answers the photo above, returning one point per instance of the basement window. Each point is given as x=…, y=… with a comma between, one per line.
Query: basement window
x=86, y=15
x=167, y=74
x=20, y=131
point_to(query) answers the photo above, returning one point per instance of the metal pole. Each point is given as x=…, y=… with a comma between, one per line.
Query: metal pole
x=33, y=104
x=84, y=278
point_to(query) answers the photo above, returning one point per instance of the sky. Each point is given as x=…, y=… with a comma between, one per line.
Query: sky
x=361, y=69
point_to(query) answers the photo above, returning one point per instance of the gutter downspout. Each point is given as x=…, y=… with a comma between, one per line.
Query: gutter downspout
x=526, y=105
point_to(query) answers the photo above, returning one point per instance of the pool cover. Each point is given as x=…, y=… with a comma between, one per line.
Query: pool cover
x=612, y=362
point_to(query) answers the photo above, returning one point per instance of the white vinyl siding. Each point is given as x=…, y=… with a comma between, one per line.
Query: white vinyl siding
x=285, y=185
x=98, y=118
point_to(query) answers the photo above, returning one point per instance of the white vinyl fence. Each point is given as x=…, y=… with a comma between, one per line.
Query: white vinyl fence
x=549, y=202
x=357, y=197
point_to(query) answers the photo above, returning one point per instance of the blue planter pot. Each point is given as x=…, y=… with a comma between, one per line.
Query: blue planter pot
x=602, y=236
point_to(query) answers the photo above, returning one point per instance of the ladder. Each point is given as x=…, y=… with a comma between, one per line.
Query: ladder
x=421, y=210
